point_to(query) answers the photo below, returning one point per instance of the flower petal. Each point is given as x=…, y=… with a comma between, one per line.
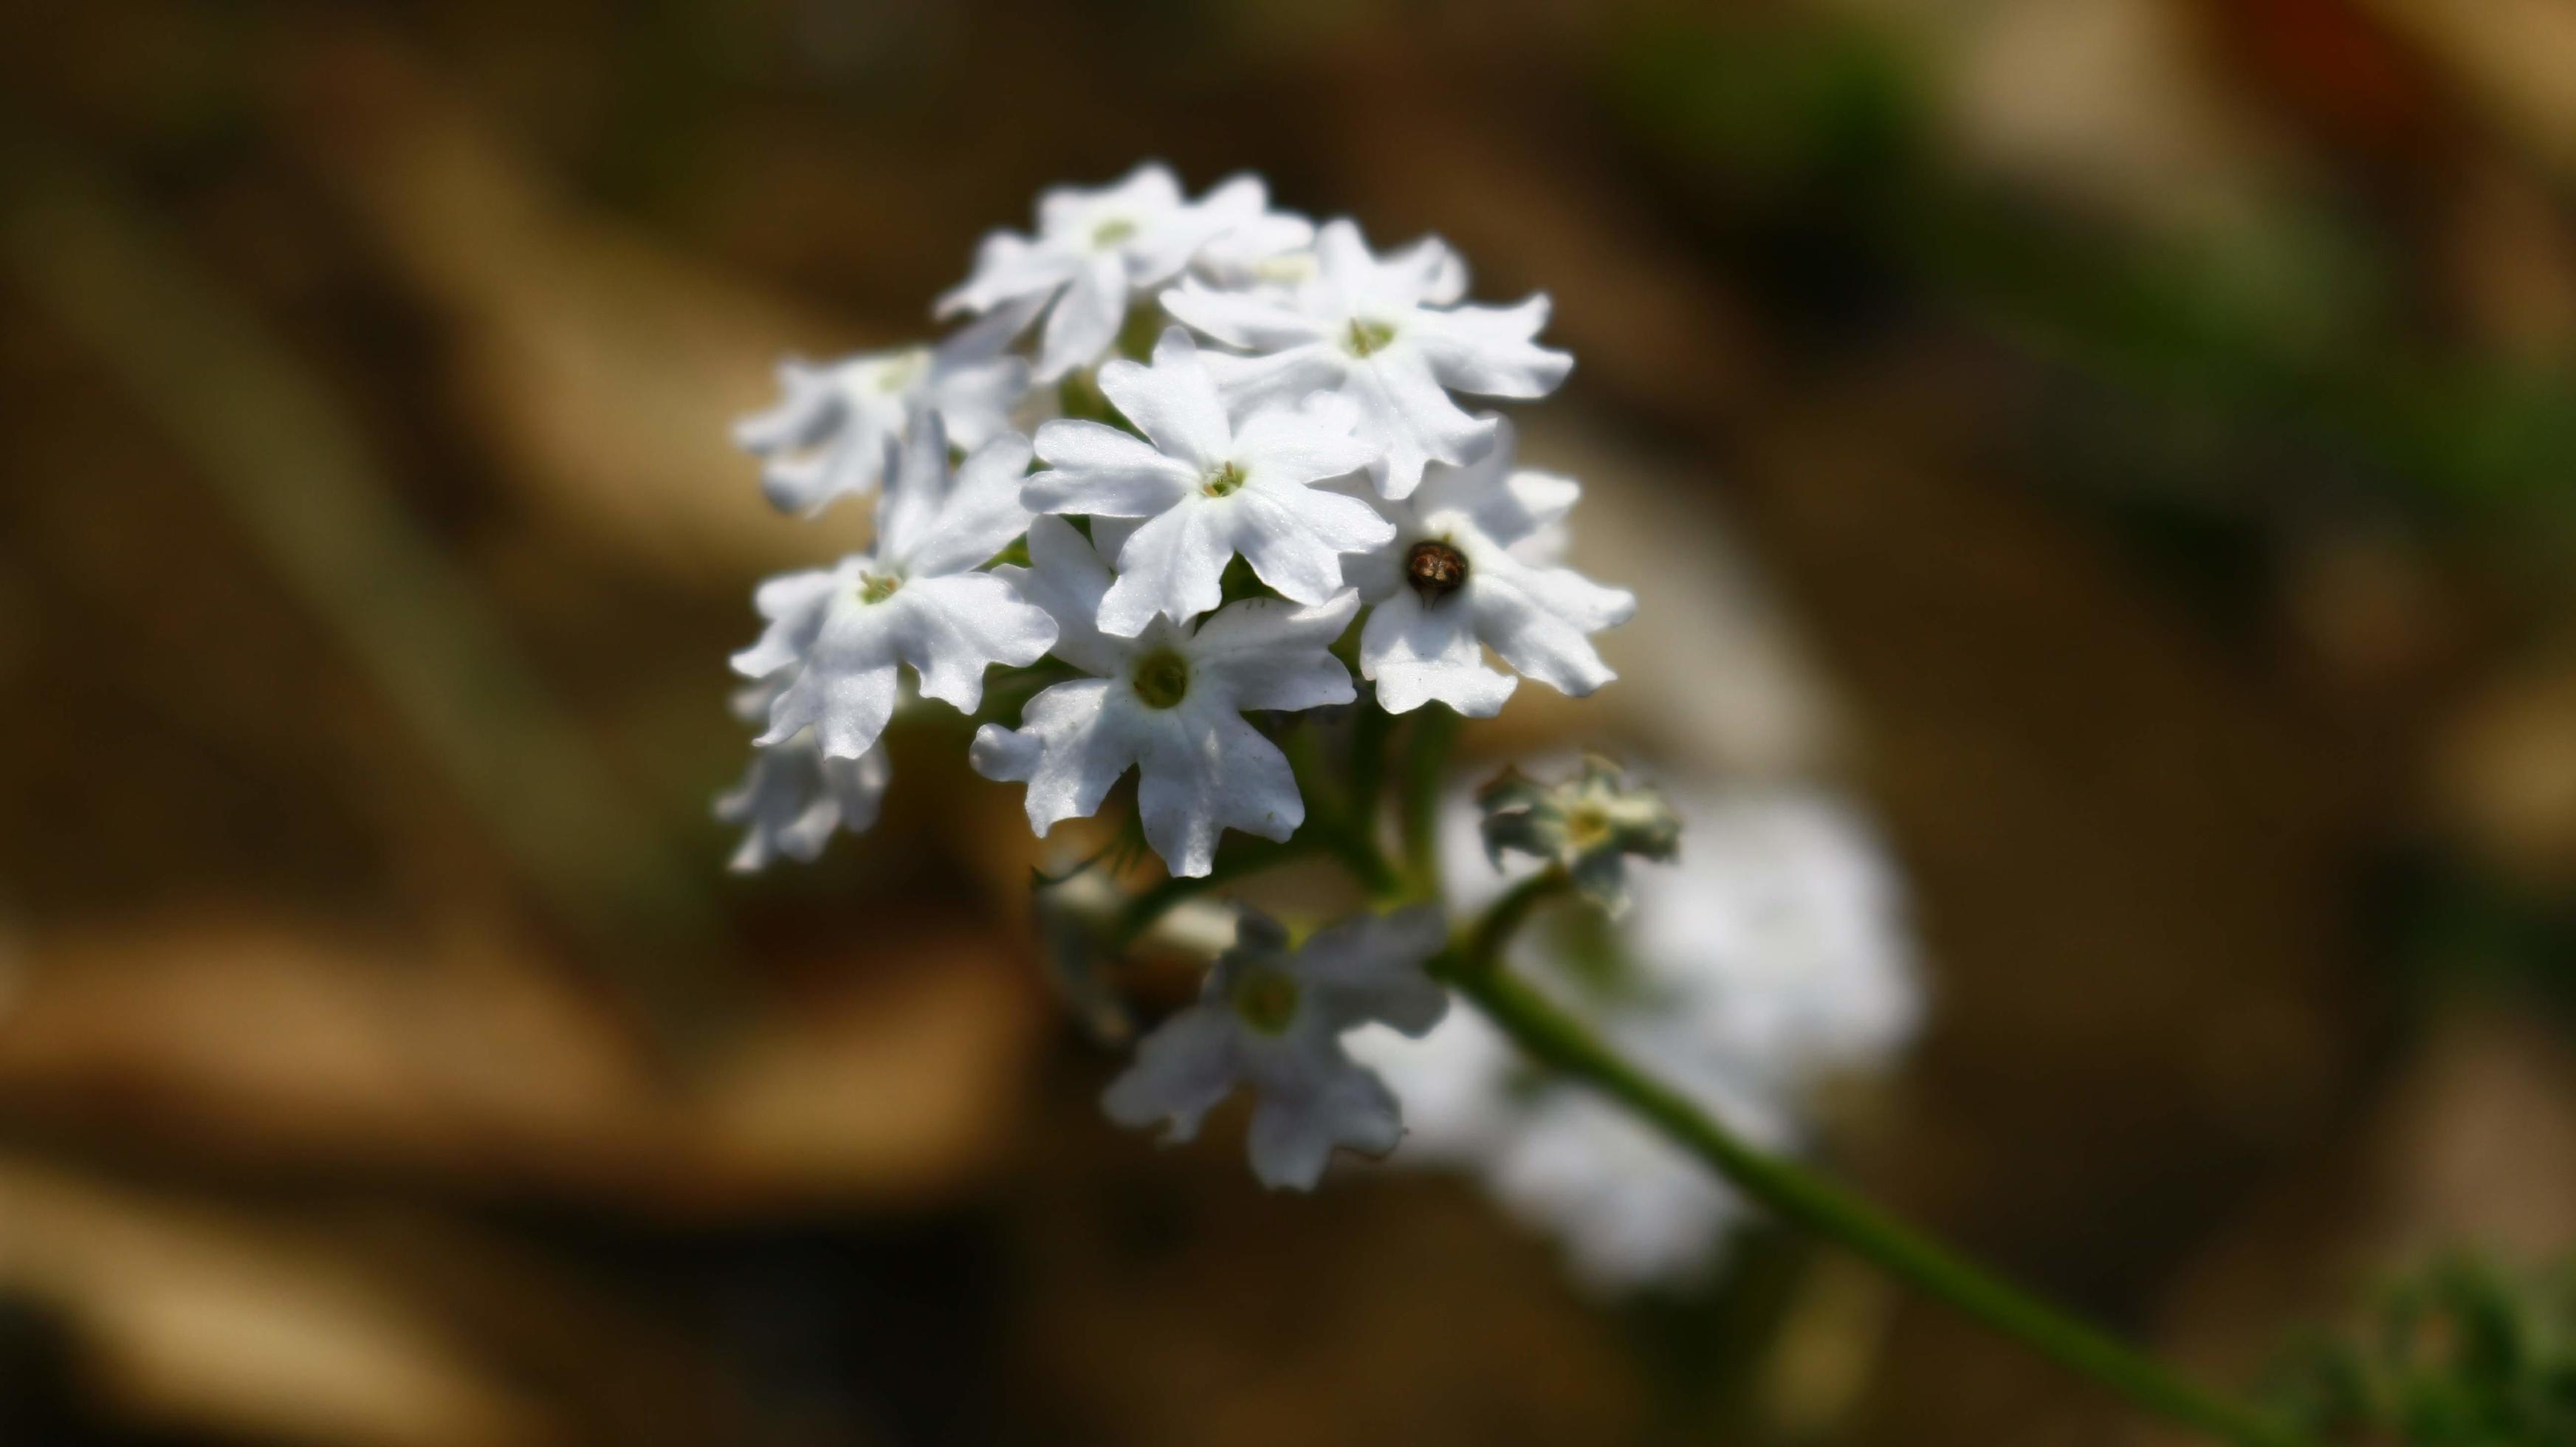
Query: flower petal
x=1066, y=750
x=1205, y=770
x=1490, y=351
x=1181, y=1072
x=1420, y=654
x=951, y=628
x=1008, y=267
x=1241, y=319
x=792, y=798
x=1174, y=565
x=981, y=513
x=1295, y=1130
x=1097, y=469
x=1067, y=578
x=1173, y=402
x=1306, y=443
x=1264, y=653
x=1537, y=619
x=1370, y=967
x=1084, y=321
x=1404, y=408
x=1295, y=536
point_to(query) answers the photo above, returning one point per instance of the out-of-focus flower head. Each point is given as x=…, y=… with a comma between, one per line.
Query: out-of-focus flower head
x=831, y=433
x=1771, y=956
x=1273, y=1018
x=792, y=797
x=1095, y=251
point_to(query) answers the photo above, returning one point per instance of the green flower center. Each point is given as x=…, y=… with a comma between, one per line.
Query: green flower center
x=877, y=587
x=1266, y=999
x=1224, y=481
x=1162, y=678
x=1587, y=825
x=1109, y=233
x=1365, y=337
x=897, y=372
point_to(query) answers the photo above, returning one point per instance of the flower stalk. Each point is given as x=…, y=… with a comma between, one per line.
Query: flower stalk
x=1472, y=966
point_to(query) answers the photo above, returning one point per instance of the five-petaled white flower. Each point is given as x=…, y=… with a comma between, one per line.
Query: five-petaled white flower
x=828, y=435
x=1207, y=489
x=1170, y=703
x=916, y=598
x=1095, y=251
x=1274, y=1019
x=1380, y=332
x=1472, y=566
x=792, y=797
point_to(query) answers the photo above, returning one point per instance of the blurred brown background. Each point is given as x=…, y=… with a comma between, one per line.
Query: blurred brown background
x=2130, y=441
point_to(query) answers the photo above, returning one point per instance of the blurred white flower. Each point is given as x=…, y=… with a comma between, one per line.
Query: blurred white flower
x=836, y=634
x=1382, y=333
x=1271, y=250
x=1472, y=567
x=1207, y=489
x=1169, y=702
x=792, y=797
x=1274, y=1019
x=829, y=436
x=1772, y=955
x=1096, y=250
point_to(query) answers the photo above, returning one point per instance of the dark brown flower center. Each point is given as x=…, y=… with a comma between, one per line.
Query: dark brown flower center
x=1434, y=569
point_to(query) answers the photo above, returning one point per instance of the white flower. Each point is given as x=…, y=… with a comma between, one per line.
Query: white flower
x=1169, y=702
x=829, y=436
x=1274, y=1020
x=1772, y=956
x=792, y=797
x=1207, y=489
x=837, y=633
x=1381, y=333
x=1472, y=567
x=1095, y=251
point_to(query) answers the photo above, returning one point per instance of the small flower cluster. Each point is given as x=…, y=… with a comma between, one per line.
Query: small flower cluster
x=1298, y=413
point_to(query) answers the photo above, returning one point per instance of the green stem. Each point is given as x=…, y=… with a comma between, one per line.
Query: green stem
x=1245, y=858
x=1368, y=763
x=1557, y=1039
x=1426, y=767
x=1332, y=821
x=1508, y=913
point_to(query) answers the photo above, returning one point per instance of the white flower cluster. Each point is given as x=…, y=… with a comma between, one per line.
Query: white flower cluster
x=1186, y=463
x=1772, y=956
x=1312, y=428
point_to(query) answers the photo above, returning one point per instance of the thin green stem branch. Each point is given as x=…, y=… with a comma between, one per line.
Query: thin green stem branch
x=1426, y=769
x=1555, y=1038
x=1242, y=860
x=1368, y=764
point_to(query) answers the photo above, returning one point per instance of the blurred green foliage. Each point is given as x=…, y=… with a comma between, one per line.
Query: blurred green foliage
x=2460, y=1355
